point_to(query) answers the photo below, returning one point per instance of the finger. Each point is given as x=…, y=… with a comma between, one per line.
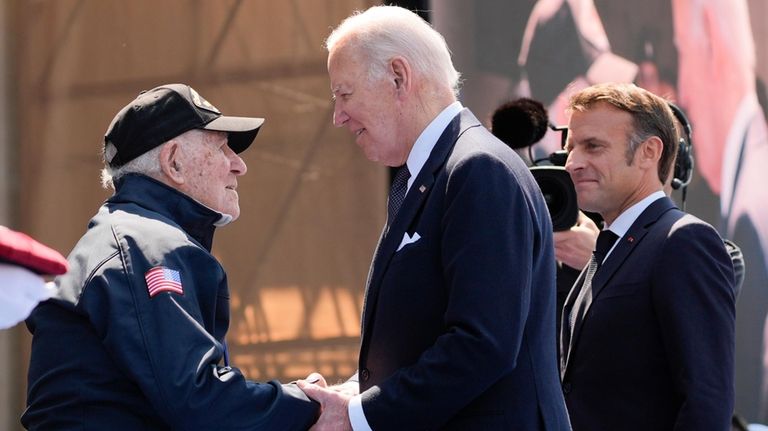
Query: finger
x=317, y=379
x=313, y=391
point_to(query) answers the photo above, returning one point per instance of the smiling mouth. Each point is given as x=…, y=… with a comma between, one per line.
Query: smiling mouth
x=583, y=181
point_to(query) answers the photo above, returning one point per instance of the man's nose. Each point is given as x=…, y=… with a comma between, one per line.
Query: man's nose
x=339, y=116
x=573, y=162
x=236, y=164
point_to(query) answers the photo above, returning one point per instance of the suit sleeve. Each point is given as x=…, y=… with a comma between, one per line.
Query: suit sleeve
x=486, y=250
x=162, y=344
x=694, y=296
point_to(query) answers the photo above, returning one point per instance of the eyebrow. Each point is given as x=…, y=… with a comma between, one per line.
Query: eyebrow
x=569, y=143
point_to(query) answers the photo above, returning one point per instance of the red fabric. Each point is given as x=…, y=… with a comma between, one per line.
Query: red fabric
x=20, y=249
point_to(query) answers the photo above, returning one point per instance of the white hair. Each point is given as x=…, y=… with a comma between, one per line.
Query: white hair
x=385, y=32
x=147, y=164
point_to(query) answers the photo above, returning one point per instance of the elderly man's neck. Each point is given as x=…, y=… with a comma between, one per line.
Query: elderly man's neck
x=427, y=106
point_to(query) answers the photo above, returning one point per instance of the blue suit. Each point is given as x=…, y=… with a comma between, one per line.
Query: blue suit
x=458, y=328
x=655, y=348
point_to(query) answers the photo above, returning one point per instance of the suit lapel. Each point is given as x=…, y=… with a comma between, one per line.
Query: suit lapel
x=628, y=242
x=565, y=319
x=626, y=245
x=414, y=200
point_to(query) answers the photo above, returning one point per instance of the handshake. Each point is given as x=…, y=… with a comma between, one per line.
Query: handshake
x=334, y=401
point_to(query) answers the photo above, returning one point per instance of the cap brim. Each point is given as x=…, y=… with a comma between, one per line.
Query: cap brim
x=242, y=130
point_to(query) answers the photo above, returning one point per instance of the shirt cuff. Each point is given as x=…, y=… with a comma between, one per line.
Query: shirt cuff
x=356, y=415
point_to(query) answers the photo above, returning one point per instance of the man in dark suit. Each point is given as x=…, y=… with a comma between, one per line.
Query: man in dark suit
x=647, y=340
x=458, y=328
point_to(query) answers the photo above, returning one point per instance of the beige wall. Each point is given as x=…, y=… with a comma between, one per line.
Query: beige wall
x=10, y=378
x=312, y=206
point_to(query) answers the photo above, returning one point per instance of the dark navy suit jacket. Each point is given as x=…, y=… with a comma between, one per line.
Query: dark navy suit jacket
x=655, y=348
x=458, y=327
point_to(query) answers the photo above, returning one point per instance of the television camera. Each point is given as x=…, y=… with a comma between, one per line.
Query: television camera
x=522, y=123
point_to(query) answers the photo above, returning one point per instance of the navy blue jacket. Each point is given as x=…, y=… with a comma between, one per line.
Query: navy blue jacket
x=459, y=327
x=655, y=349
x=107, y=355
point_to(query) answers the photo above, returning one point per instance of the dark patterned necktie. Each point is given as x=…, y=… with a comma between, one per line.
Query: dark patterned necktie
x=397, y=193
x=605, y=241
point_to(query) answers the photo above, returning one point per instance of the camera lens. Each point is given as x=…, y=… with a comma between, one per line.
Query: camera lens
x=560, y=195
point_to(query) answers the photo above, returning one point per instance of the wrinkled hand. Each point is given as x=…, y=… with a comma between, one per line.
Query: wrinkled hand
x=349, y=388
x=334, y=415
x=574, y=246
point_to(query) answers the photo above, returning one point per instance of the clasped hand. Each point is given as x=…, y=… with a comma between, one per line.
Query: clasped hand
x=334, y=402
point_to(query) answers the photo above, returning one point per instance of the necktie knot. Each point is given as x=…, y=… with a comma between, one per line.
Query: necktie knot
x=605, y=241
x=397, y=192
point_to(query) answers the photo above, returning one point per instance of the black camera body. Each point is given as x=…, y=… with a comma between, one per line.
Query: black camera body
x=557, y=187
x=522, y=123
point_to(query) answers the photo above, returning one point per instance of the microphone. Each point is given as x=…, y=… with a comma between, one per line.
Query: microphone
x=520, y=123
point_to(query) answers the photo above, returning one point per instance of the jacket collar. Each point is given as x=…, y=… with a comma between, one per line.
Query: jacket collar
x=414, y=201
x=194, y=218
x=624, y=247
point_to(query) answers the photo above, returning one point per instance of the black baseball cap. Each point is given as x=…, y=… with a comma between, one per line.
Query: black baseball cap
x=162, y=113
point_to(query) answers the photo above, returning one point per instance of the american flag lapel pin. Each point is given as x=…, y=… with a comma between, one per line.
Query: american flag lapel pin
x=161, y=279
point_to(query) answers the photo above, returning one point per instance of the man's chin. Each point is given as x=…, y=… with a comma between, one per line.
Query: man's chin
x=234, y=213
x=229, y=213
x=371, y=155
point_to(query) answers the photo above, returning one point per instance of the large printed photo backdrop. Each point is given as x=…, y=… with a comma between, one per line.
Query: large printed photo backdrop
x=708, y=56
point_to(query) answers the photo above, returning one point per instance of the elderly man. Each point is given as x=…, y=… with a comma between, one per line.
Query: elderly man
x=647, y=338
x=134, y=339
x=458, y=327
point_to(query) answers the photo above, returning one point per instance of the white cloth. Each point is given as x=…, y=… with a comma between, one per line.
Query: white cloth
x=20, y=291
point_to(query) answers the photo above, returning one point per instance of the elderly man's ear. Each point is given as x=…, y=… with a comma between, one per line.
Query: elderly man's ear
x=401, y=71
x=170, y=162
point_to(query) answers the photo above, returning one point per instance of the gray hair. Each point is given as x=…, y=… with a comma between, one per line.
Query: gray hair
x=385, y=32
x=147, y=164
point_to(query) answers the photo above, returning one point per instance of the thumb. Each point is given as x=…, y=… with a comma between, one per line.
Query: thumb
x=313, y=391
x=317, y=379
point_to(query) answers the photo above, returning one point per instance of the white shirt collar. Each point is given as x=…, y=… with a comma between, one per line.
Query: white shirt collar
x=427, y=140
x=624, y=221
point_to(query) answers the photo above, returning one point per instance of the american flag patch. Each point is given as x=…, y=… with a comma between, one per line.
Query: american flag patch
x=161, y=279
